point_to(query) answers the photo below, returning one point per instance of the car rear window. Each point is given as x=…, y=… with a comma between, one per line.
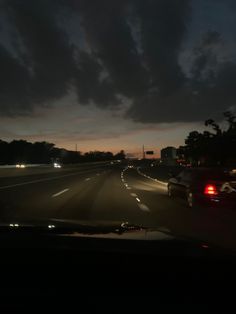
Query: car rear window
x=215, y=175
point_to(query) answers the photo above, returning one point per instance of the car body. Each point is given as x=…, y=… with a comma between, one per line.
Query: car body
x=206, y=186
x=77, y=260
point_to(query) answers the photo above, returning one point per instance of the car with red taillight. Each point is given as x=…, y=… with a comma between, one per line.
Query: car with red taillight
x=208, y=186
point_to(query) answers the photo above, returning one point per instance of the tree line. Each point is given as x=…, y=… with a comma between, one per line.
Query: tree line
x=216, y=147
x=21, y=151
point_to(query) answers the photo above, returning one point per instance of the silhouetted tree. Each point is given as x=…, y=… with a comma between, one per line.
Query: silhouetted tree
x=212, y=148
x=21, y=151
x=120, y=155
x=4, y=152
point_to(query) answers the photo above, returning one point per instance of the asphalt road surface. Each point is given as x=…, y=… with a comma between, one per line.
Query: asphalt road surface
x=106, y=192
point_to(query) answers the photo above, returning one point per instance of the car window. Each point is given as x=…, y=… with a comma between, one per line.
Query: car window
x=185, y=175
x=188, y=175
x=181, y=175
x=215, y=175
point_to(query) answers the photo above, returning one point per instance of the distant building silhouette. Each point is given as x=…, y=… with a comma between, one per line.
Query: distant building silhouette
x=169, y=156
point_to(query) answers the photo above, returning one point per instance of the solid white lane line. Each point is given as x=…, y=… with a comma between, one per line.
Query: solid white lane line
x=164, y=229
x=59, y=193
x=161, y=182
x=158, y=181
x=143, y=207
x=43, y=180
x=133, y=194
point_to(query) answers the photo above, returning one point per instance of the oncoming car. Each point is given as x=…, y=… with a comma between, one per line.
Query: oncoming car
x=56, y=165
x=22, y=166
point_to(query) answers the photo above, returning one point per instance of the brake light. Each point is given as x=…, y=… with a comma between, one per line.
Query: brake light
x=210, y=189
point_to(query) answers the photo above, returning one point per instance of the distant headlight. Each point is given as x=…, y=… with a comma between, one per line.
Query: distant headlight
x=56, y=165
x=20, y=166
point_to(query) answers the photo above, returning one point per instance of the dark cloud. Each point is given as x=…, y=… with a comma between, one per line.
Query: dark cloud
x=42, y=69
x=205, y=55
x=50, y=65
x=90, y=86
x=163, y=26
x=109, y=35
x=208, y=92
x=14, y=85
x=48, y=51
x=130, y=51
x=201, y=98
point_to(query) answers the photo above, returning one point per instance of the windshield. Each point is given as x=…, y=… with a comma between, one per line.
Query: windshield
x=100, y=101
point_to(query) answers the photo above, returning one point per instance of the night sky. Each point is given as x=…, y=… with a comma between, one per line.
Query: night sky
x=111, y=75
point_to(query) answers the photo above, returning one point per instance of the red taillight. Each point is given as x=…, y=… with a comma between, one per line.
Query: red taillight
x=210, y=189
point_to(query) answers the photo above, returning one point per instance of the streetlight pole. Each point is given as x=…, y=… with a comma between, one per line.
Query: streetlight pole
x=143, y=152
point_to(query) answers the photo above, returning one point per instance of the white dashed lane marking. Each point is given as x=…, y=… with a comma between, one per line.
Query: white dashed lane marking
x=143, y=207
x=87, y=179
x=59, y=193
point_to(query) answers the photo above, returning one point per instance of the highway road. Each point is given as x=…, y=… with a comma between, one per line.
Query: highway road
x=106, y=192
